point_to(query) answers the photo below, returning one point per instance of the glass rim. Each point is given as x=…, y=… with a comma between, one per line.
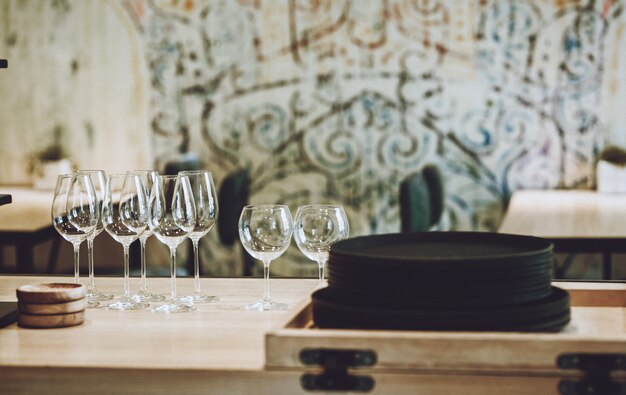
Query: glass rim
x=191, y=172
x=264, y=206
x=324, y=205
x=89, y=171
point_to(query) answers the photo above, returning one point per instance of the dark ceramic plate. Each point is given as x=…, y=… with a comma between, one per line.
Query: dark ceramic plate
x=549, y=314
x=438, y=252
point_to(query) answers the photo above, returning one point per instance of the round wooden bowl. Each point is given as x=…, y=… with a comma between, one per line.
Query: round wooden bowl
x=51, y=320
x=50, y=293
x=73, y=306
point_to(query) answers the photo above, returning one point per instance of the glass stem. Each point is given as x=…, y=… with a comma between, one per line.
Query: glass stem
x=321, y=265
x=126, y=270
x=76, y=263
x=196, y=268
x=173, y=271
x=144, y=282
x=91, y=284
x=266, y=281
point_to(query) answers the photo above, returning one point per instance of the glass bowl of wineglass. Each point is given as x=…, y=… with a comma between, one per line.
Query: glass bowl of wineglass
x=316, y=228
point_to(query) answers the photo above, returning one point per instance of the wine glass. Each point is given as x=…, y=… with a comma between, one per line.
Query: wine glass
x=265, y=232
x=74, y=212
x=148, y=177
x=205, y=198
x=172, y=218
x=316, y=227
x=125, y=217
x=98, y=179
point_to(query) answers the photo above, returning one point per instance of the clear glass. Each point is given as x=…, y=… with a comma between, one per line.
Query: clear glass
x=316, y=227
x=98, y=179
x=172, y=218
x=265, y=232
x=205, y=198
x=125, y=217
x=148, y=177
x=74, y=212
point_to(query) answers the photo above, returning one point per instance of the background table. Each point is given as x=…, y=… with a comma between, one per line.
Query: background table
x=574, y=220
x=25, y=223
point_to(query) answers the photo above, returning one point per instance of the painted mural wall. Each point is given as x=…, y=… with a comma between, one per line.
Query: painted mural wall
x=338, y=101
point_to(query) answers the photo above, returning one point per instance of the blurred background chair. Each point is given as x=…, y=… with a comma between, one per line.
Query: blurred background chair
x=232, y=197
x=182, y=162
x=421, y=199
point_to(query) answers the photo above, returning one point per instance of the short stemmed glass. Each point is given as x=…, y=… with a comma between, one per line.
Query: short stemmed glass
x=74, y=212
x=265, y=232
x=172, y=218
x=205, y=198
x=98, y=179
x=125, y=217
x=148, y=177
x=316, y=228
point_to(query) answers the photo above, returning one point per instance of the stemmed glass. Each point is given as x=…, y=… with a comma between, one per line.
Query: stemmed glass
x=316, y=227
x=172, y=218
x=148, y=177
x=98, y=179
x=75, y=212
x=205, y=198
x=125, y=217
x=265, y=232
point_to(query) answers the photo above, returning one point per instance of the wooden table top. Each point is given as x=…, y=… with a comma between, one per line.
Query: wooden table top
x=29, y=210
x=566, y=214
x=220, y=336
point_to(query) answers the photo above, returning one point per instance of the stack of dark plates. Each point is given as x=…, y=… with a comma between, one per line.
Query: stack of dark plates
x=442, y=281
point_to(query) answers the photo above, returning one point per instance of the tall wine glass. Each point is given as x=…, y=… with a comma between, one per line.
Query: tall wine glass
x=316, y=228
x=125, y=216
x=172, y=218
x=265, y=232
x=74, y=212
x=98, y=179
x=205, y=198
x=148, y=177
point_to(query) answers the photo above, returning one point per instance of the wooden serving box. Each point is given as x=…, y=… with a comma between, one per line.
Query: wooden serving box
x=588, y=355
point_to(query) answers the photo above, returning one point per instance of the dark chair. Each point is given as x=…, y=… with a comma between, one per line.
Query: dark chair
x=434, y=180
x=232, y=197
x=186, y=161
x=421, y=200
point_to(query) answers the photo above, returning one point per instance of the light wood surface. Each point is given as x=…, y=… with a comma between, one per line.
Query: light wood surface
x=50, y=292
x=52, y=308
x=28, y=212
x=565, y=214
x=216, y=336
x=220, y=348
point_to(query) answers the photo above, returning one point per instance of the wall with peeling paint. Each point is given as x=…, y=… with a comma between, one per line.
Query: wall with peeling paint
x=325, y=101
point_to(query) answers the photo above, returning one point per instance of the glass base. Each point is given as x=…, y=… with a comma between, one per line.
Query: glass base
x=200, y=299
x=178, y=305
x=128, y=303
x=97, y=296
x=145, y=296
x=93, y=304
x=265, y=305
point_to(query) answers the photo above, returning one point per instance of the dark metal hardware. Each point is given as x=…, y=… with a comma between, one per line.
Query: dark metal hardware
x=335, y=364
x=4, y=63
x=597, y=370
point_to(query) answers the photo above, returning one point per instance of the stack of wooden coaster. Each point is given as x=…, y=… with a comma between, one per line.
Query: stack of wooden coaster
x=53, y=305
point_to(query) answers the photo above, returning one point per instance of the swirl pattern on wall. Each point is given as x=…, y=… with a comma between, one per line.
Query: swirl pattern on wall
x=338, y=101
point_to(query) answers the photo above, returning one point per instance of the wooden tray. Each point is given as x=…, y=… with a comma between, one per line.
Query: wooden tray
x=597, y=327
